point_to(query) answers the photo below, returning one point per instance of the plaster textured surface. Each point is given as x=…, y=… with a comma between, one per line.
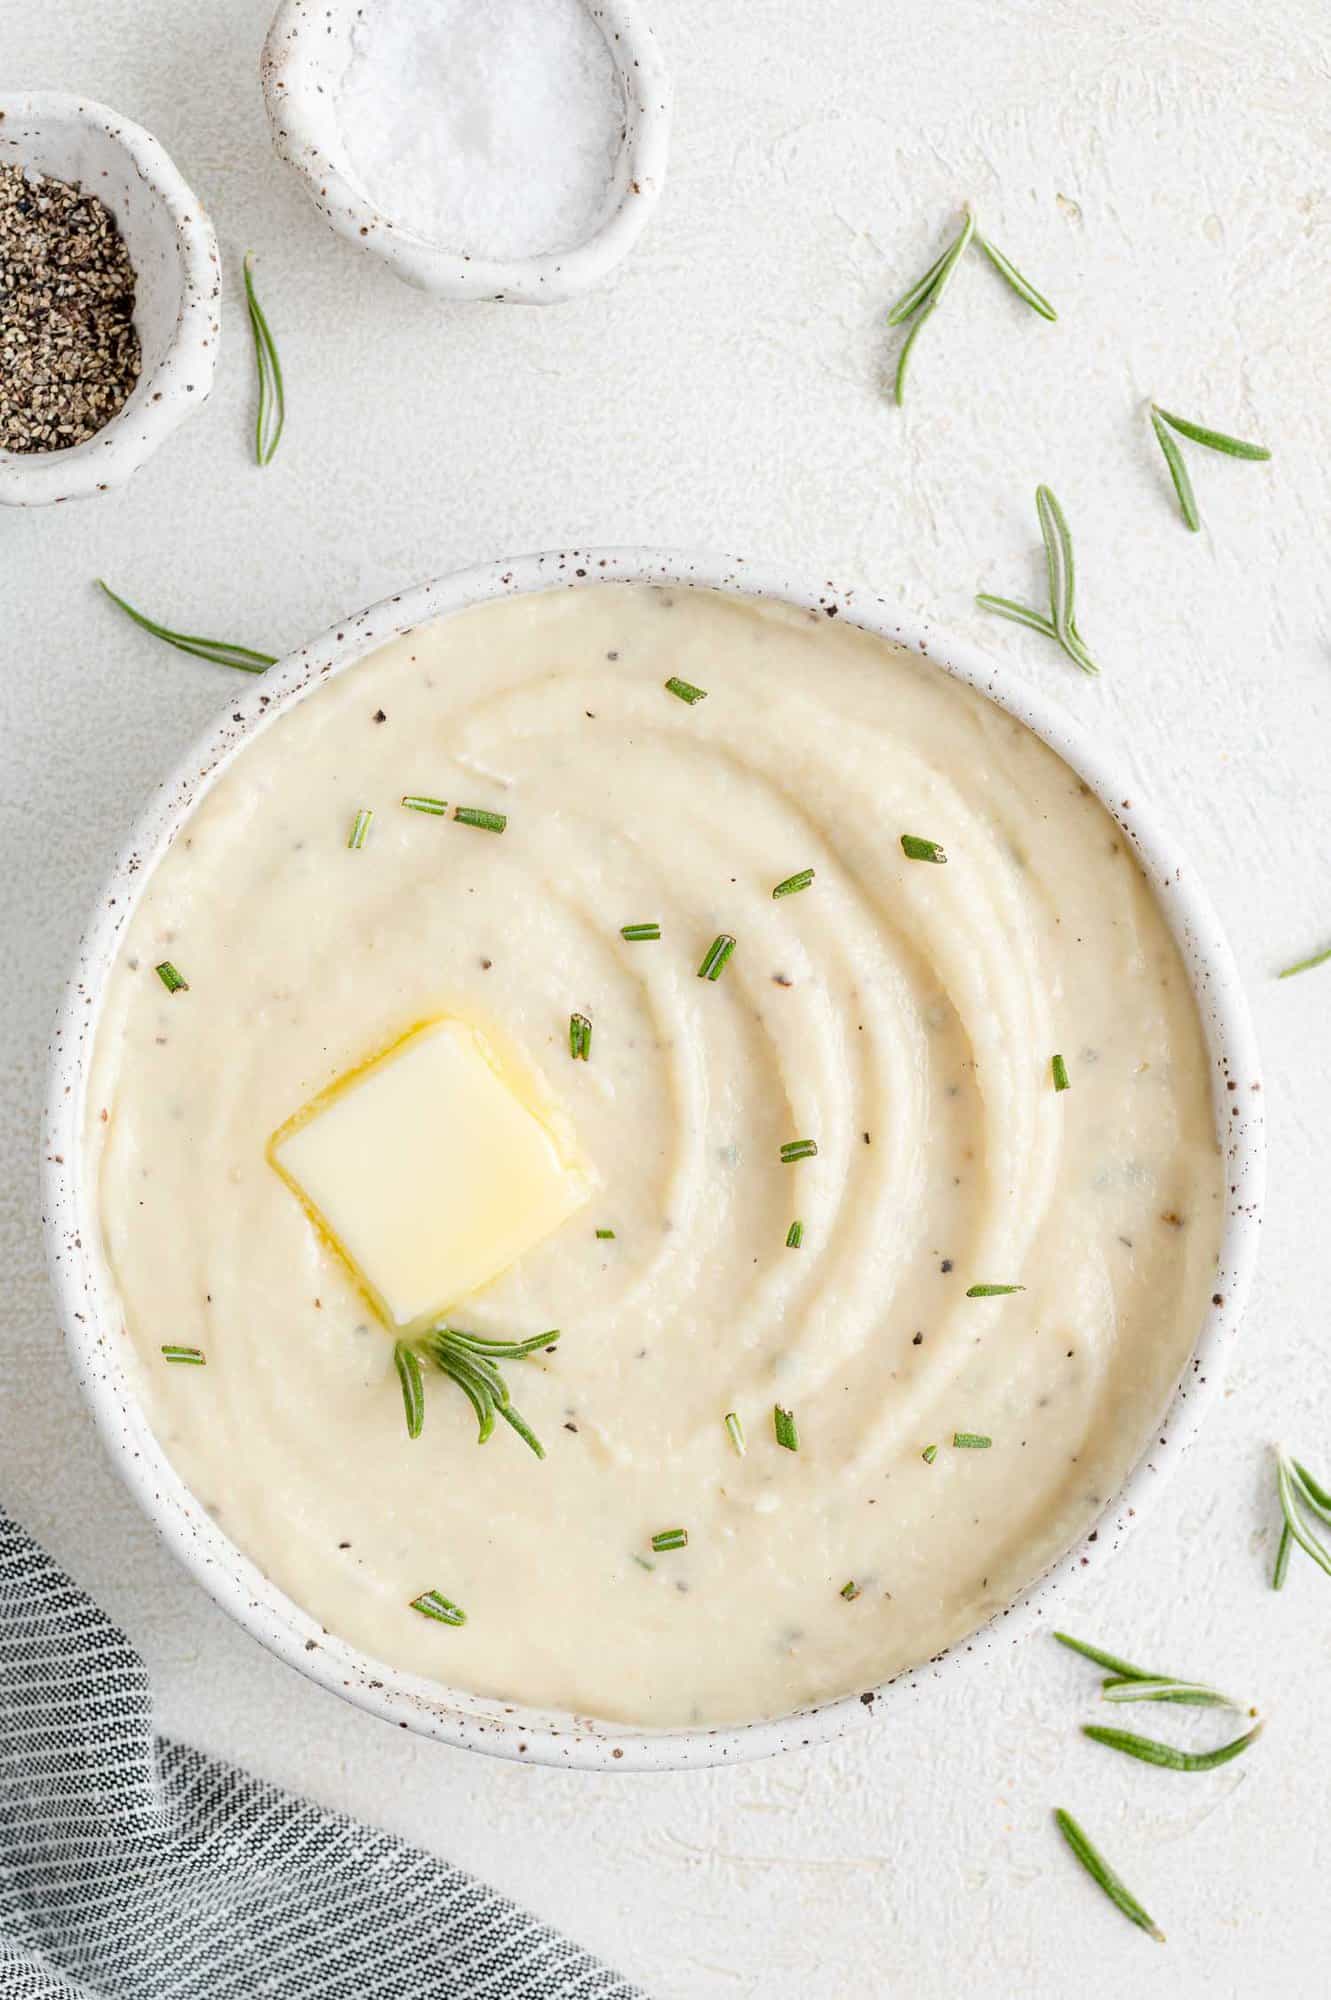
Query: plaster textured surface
x=1163, y=171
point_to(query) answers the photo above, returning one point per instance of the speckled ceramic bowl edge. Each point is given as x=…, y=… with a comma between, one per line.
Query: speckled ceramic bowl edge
x=295, y=121
x=98, y=1348
x=183, y=378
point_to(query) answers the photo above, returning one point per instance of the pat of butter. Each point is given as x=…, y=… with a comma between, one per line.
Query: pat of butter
x=431, y=1169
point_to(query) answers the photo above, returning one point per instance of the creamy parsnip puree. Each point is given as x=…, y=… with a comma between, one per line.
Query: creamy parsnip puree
x=901, y=1014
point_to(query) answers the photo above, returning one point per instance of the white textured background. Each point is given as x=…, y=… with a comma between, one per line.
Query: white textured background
x=1164, y=172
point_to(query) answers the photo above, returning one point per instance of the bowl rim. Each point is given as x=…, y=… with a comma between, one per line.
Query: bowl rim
x=437, y=268
x=183, y=377
x=72, y=1231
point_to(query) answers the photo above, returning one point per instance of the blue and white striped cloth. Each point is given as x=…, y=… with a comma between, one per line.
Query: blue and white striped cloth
x=133, y=1868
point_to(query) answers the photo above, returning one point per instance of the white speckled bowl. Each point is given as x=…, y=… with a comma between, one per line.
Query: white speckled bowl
x=99, y=1347
x=177, y=300
x=306, y=56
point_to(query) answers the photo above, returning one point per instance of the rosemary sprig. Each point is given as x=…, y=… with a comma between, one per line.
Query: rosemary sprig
x=798, y=1149
x=916, y=849
x=489, y=822
x=925, y=297
x=579, y=1037
x=471, y=1361
x=670, y=1538
x=360, y=827
x=735, y=1431
x=640, y=933
x=992, y=1291
x=243, y=658
x=433, y=1604
x=1298, y=1492
x=1165, y=1755
x=795, y=1236
x=413, y=1388
x=793, y=884
x=686, y=690
x=1060, y=564
x=1101, y=1873
x=1059, y=1071
x=1306, y=964
x=717, y=956
x=174, y=982
x=272, y=410
x=189, y=1357
x=785, y=1428
x=1021, y=286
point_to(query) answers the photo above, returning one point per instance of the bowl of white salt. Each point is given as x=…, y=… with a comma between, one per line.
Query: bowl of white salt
x=486, y=149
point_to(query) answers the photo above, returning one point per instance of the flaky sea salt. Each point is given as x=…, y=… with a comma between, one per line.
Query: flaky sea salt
x=489, y=126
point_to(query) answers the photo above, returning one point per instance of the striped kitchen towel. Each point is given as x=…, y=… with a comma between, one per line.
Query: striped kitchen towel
x=134, y=1868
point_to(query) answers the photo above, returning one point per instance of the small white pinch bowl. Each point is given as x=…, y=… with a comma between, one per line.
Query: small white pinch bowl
x=101, y=1352
x=178, y=290
x=304, y=60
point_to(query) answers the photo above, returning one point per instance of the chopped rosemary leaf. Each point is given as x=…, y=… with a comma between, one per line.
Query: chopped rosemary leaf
x=222, y=651
x=413, y=1388
x=1101, y=1873
x=798, y=1149
x=783, y=1424
x=489, y=822
x=916, y=849
x=433, y=1604
x=970, y=1441
x=418, y=803
x=1062, y=1081
x=1178, y=472
x=1166, y=1755
x=686, y=690
x=735, y=1431
x=716, y=957
x=1096, y=1654
x=929, y=1454
x=192, y=1357
x=850, y=1591
x=579, y=1037
x=992, y=1291
x=794, y=1236
x=1191, y=1694
x=1306, y=964
x=173, y=981
x=1021, y=286
x=1214, y=440
x=360, y=827
x=272, y=410
x=640, y=933
x=670, y=1538
x=605, y=1235
x=793, y=884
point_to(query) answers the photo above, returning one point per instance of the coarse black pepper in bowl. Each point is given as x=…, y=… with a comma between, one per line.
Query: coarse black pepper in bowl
x=110, y=286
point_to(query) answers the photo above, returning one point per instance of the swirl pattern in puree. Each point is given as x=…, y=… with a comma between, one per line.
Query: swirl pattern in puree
x=901, y=1014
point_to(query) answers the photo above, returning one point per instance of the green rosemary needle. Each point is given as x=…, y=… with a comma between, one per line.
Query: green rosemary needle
x=924, y=298
x=850, y=1591
x=670, y=1538
x=272, y=411
x=489, y=822
x=929, y=1454
x=1283, y=1548
x=1214, y=440
x=798, y=1149
x=1059, y=1070
x=785, y=1428
x=1297, y=1493
x=243, y=658
x=173, y=981
x=1101, y=1873
x=1165, y=1755
x=686, y=690
x=992, y=1291
x=1178, y=472
x=1122, y=1669
x=413, y=1388
x=360, y=827
x=970, y=1441
x=1190, y=1694
x=735, y=1431
x=793, y=884
x=433, y=1604
x=189, y=1357
x=794, y=1236
x=419, y=802
x=579, y=1037
x=1021, y=286
x=717, y=956
x=916, y=849
x=1061, y=568
x=471, y=1360
x=640, y=933
x=1306, y=964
